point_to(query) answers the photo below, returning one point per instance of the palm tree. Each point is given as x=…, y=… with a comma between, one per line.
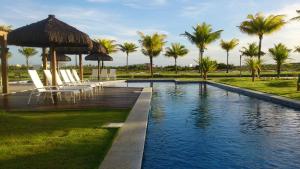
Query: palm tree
x=297, y=17
x=207, y=65
x=128, y=48
x=201, y=36
x=254, y=66
x=227, y=46
x=28, y=52
x=279, y=53
x=152, y=45
x=110, y=46
x=261, y=25
x=251, y=50
x=176, y=50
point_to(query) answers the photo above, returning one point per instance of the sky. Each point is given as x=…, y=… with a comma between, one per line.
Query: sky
x=121, y=19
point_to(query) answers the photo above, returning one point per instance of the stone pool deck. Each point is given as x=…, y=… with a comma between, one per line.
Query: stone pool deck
x=108, y=97
x=128, y=147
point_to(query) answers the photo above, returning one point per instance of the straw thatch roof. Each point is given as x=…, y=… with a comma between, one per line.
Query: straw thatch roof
x=72, y=50
x=96, y=48
x=60, y=58
x=99, y=57
x=49, y=32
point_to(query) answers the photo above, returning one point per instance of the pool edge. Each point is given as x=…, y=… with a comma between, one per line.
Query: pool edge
x=292, y=103
x=127, y=149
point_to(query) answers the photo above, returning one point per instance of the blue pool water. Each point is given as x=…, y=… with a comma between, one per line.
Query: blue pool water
x=201, y=126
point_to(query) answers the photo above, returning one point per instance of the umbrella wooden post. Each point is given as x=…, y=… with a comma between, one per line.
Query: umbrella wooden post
x=4, y=65
x=98, y=70
x=44, y=55
x=80, y=67
x=53, y=65
x=53, y=69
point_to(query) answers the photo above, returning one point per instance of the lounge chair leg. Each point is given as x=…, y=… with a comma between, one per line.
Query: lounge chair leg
x=29, y=98
x=74, y=98
x=52, y=98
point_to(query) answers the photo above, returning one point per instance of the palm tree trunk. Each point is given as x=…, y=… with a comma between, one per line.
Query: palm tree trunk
x=176, y=65
x=102, y=64
x=127, y=62
x=278, y=70
x=253, y=75
x=240, y=65
x=227, y=61
x=201, y=51
x=259, y=51
x=27, y=63
x=98, y=70
x=205, y=75
x=151, y=69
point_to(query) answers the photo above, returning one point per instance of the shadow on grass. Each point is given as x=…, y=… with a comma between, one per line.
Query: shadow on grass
x=281, y=84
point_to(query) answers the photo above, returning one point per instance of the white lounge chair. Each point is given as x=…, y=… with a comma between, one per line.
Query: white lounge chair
x=112, y=74
x=76, y=77
x=66, y=86
x=71, y=81
x=40, y=89
x=104, y=74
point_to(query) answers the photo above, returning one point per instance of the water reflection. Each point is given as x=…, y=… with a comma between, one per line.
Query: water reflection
x=157, y=106
x=176, y=92
x=202, y=114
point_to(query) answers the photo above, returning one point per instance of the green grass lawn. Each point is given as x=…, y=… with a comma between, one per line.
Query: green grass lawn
x=56, y=140
x=281, y=87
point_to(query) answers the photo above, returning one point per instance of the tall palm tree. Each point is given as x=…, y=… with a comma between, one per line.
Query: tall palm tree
x=152, y=45
x=254, y=65
x=207, y=65
x=279, y=53
x=227, y=46
x=201, y=36
x=128, y=48
x=261, y=25
x=176, y=50
x=28, y=52
x=110, y=46
x=297, y=17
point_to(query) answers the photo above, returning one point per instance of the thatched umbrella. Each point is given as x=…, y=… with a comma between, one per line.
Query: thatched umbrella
x=96, y=48
x=99, y=57
x=52, y=33
x=60, y=58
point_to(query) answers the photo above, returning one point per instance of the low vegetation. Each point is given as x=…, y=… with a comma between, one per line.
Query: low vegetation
x=66, y=139
x=281, y=87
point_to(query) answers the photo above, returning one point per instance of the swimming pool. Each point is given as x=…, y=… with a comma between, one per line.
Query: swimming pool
x=201, y=126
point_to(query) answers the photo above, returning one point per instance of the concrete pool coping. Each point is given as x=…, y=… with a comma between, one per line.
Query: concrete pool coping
x=127, y=149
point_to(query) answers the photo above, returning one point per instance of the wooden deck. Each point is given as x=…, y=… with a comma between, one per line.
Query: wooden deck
x=108, y=97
